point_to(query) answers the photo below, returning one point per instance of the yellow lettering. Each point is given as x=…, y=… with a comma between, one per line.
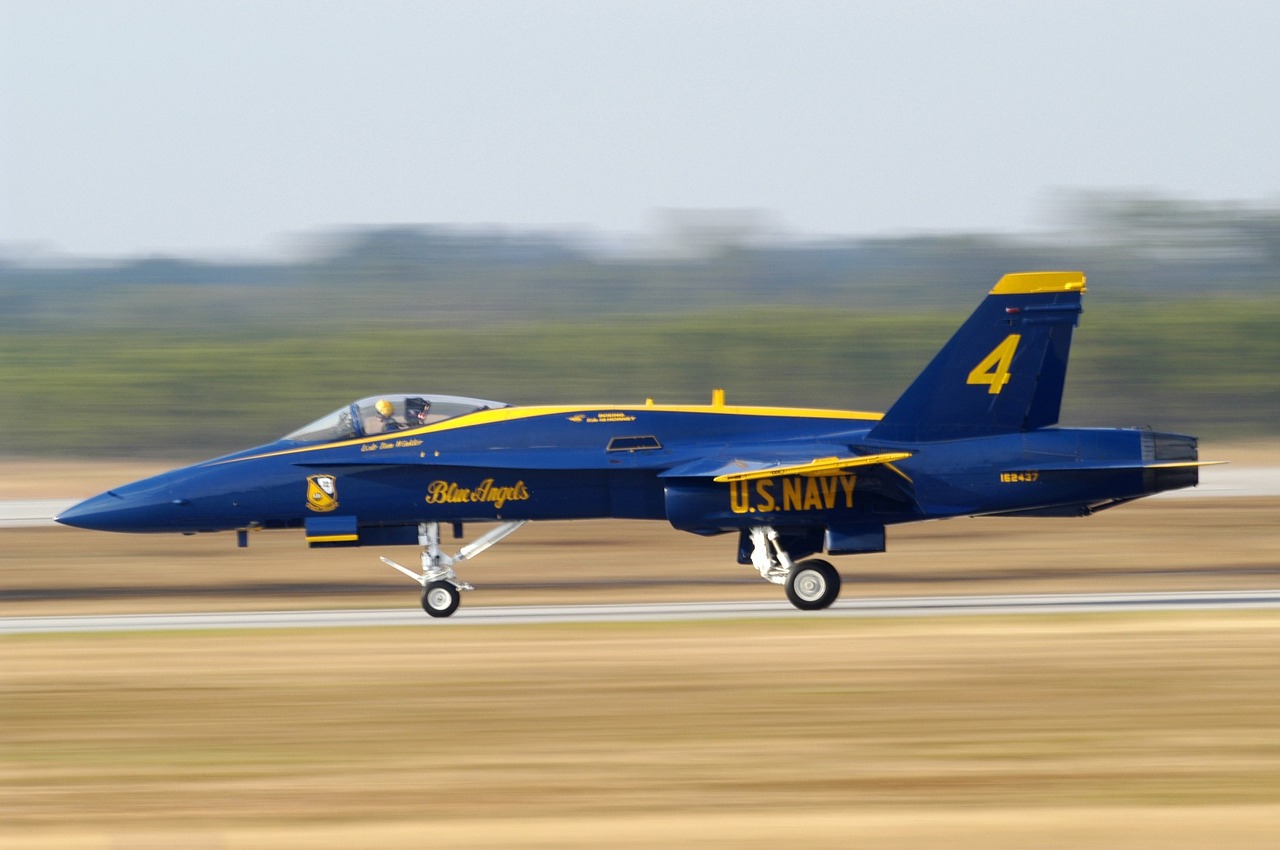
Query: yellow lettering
x=847, y=482
x=812, y=496
x=791, y=494
x=799, y=493
x=828, y=491
x=764, y=489
x=448, y=492
x=994, y=368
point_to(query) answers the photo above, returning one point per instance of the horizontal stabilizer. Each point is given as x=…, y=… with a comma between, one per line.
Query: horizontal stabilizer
x=1101, y=466
x=1184, y=463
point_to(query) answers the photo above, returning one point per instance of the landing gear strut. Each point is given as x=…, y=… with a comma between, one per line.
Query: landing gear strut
x=811, y=585
x=441, y=588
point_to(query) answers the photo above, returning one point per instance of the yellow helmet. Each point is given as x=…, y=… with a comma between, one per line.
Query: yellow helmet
x=384, y=407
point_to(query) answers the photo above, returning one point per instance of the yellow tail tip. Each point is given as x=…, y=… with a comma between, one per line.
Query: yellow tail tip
x=1021, y=283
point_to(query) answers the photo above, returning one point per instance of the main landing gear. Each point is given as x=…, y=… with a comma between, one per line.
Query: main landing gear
x=441, y=589
x=812, y=584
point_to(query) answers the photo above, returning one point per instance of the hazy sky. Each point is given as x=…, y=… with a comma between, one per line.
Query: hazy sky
x=223, y=127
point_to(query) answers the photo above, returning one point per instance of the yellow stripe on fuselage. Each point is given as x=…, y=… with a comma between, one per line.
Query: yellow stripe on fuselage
x=513, y=414
x=334, y=538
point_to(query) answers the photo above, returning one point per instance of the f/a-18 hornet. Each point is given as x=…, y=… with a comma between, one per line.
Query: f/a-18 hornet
x=974, y=435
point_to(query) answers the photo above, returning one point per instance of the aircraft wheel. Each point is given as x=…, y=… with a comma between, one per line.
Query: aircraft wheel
x=813, y=585
x=440, y=599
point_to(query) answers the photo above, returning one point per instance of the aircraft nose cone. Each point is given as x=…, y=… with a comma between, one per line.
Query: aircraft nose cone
x=107, y=512
x=129, y=508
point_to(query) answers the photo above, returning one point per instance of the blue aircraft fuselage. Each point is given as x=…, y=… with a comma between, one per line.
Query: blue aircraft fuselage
x=556, y=463
x=975, y=434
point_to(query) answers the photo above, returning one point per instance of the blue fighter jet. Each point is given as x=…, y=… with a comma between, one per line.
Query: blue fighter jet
x=974, y=435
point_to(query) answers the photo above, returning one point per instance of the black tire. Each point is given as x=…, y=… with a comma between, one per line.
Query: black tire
x=440, y=599
x=813, y=585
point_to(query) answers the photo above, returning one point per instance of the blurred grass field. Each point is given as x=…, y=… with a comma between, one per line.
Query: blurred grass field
x=1203, y=367
x=1124, y=731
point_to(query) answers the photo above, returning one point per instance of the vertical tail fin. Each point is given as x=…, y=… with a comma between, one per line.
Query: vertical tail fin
x=1003, y=370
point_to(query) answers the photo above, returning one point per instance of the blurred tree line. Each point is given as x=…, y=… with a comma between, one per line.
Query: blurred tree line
x=166, y=356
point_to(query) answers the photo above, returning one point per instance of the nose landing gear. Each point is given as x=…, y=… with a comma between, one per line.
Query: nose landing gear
x=441, y=598
x=441, y=587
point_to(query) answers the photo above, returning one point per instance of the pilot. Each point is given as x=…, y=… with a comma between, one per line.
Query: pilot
x=415, y=412
x=384, y=410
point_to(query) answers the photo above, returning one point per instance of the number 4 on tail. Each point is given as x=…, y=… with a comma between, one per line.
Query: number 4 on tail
x=994, y=368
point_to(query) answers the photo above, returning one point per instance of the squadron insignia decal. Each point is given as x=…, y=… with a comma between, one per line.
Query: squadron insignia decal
x=322, y=493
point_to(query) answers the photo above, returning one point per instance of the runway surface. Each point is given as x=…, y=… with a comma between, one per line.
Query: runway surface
x=903, y=606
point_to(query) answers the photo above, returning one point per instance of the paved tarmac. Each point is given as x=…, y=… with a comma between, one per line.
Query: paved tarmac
x=903, y=606
x=31, y=513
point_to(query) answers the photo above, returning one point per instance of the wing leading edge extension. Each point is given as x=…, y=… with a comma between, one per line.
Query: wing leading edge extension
x=726, y=470
x=817, y=466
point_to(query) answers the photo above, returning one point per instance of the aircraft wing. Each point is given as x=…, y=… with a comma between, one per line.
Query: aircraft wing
x=723, y=470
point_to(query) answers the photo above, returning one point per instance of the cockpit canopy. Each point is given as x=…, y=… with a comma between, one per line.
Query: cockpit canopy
x=383, y=414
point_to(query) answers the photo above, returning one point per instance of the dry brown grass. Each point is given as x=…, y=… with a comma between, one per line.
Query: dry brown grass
x=1160, y=727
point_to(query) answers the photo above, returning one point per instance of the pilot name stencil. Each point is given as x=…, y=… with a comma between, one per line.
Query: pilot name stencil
x=606, y=416
x=390, y=444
